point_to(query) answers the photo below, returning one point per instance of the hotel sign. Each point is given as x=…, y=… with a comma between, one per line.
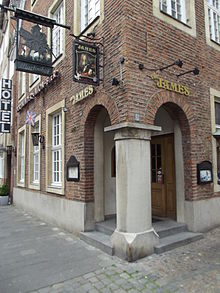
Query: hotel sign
x=5, y=102
x=170, y=85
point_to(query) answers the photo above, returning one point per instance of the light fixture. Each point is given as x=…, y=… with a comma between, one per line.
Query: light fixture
x=73, y=169
x=115, y=81
x=36, y=138
x=195, y=71
x=10, y=149
x=178, y=63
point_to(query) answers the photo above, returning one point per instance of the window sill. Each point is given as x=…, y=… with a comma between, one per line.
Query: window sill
x=33, y=84
x=21, y=97
x=216, y=43
x=87, y=28
x=176, y=19
x=21, y=184
x=55, y=189
x=58, y=59
x=35, y=186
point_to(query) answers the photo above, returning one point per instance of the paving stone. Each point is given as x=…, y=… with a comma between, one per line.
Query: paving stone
x=75, y=268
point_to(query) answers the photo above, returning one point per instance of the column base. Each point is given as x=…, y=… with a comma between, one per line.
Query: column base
x=132, y=246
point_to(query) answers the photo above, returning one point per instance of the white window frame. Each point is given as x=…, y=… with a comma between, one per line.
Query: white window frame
x=90, y=9
x=58, y=32
x=214, y=20
x=1, y=165
x=33, y=78
x=36, y=155
x=22, y=83
x=56, y=149
x=174, y=8
x=50, y=186
x=21, y=156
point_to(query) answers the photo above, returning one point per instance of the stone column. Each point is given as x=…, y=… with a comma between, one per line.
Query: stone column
x=134, y=236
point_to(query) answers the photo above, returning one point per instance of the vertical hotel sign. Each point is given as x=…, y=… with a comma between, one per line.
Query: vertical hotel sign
x=5, y=102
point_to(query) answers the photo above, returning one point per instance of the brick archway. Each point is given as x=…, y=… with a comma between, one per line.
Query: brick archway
x=163, y=97
x=88, y=120
x=180, y=111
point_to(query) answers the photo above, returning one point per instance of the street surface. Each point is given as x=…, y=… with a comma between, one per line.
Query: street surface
x=39, y=257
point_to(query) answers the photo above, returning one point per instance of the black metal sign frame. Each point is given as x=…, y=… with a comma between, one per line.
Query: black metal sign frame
x=38, y=60
x=85, y=63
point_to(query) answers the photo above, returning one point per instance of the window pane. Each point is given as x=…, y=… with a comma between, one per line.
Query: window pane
x=217, y=113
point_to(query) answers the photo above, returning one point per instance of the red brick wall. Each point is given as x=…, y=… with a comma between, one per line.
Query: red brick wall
x=130, y=30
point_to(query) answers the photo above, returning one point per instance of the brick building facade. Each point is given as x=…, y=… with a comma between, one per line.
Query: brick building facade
x=157, y=125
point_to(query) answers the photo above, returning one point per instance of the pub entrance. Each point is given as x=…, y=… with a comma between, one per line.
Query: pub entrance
x=163, y=176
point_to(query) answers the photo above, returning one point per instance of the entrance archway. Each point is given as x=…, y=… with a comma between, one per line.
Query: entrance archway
x=168, y=157
x=104, y=166
x=100, y=164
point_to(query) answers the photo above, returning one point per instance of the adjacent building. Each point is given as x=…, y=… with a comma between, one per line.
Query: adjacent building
x=141, y=142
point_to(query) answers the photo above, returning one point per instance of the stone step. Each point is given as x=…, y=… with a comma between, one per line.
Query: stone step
x=168, y=228
x=177, y=240
x=104, y=228
x=98, y=240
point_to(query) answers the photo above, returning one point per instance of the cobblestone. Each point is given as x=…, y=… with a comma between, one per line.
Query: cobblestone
x=188, y=269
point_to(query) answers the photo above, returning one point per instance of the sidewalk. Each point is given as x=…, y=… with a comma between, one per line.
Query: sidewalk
x=38, y=257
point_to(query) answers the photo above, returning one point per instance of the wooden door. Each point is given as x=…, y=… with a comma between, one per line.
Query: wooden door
x=163, y=176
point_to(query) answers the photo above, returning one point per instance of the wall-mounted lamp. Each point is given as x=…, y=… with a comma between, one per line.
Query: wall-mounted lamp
x=178, y=63
x=73, y=169
x=36, y=138
x=195, y=71
x=10, y=149
x=115, y=81
x=91, y=34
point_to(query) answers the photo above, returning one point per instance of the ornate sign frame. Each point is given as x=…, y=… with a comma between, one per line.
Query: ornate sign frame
x=85, y=63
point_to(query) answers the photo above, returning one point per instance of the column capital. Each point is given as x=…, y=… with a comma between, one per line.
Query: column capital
x=129, y=130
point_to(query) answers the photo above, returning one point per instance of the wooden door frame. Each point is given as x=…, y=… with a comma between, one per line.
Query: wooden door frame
x=162, y=209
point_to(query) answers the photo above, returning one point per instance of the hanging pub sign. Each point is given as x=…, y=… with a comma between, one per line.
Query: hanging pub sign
x=85, y=63
x=5, y=101
x=33, y=50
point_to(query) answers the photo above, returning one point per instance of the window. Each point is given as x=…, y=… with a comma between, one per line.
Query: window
x=56, y=149
x=177, y=13
x=21, y=156
x=90, y=9
x=36, y=159
x=217, y=128
x=113, y=162
x=58, y=33
x=22, y=84
x=33, y=78
x=1, y=165
x=55, y=133
x=175, y=8
x=214, y=20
